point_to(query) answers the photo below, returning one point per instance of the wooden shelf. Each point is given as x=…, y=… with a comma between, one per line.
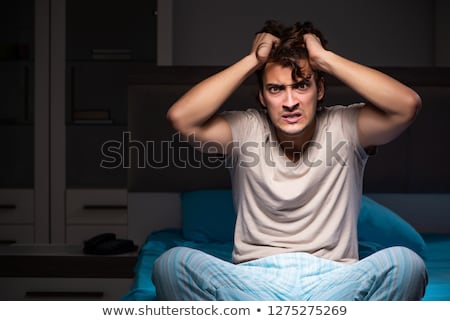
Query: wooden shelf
x=65, y=261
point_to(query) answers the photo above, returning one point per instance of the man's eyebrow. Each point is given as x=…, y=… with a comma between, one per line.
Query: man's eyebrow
x=299, y=82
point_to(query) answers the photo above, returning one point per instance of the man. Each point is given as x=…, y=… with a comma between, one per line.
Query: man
x=295, y=236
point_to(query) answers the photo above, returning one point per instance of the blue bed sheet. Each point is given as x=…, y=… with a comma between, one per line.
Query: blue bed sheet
x=437, y=260
x=438, y=264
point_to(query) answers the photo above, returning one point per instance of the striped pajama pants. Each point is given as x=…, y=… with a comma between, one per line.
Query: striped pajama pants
x=395, y=273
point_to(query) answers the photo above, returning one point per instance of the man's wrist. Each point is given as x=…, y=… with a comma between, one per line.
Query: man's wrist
x=325, y=62
x=252, y=62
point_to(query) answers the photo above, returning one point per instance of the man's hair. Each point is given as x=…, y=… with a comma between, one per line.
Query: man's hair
x=291, y=47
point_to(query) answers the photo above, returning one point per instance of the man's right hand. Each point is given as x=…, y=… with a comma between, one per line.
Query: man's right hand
x=262, y=46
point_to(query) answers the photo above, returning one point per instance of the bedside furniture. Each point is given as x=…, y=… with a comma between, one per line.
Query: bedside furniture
x=62, y=272
x=17, y=220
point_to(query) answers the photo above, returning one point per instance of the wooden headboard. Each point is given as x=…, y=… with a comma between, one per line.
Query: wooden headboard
x=416, y=162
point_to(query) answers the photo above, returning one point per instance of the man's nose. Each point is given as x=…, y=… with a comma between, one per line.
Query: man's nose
x=290, y=102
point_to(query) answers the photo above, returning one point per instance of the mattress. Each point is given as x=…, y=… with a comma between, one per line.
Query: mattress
x=437, y=261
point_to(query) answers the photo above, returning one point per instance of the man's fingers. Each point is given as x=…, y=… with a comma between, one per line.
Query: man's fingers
x=263, y=45
x=263, y=50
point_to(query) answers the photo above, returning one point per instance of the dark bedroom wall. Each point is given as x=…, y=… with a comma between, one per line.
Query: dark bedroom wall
x=442, y=33
x=381, y=33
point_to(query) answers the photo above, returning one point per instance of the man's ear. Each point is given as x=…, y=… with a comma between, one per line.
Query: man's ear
x=320, y=89
x=262, y=100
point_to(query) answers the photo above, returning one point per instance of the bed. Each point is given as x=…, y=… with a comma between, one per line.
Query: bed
x=407, y=182
x=378, y=227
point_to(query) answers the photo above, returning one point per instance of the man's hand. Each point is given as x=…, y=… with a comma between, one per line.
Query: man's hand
x=262, y=46
x=316, y=52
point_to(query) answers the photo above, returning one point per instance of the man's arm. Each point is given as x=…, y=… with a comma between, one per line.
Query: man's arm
x=392, y=106
x=193, y=115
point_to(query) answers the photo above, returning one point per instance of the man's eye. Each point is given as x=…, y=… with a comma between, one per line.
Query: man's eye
x=275, y=89
x=301, y=85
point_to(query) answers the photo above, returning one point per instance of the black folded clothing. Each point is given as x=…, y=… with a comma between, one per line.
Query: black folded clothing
x=108, y=244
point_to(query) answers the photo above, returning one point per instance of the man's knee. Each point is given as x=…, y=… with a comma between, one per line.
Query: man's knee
x=165, y=275
x=411, y=272
x=168, y=262
x=410, y=261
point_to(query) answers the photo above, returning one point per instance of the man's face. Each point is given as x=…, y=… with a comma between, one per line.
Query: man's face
x=291, y=105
